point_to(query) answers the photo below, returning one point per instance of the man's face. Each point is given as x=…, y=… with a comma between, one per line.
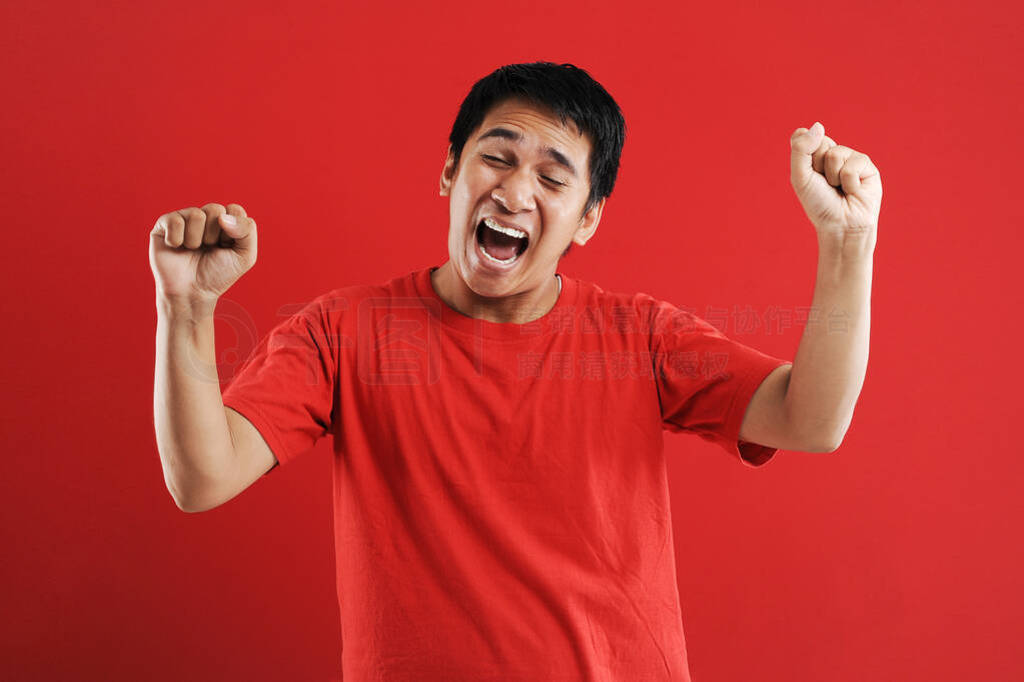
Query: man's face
x=525, y=171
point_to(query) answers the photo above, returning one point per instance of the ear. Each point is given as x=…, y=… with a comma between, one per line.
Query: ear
x=588, y=223
x=448, y=173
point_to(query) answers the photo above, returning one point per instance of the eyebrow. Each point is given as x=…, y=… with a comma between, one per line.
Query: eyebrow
x=515, y=136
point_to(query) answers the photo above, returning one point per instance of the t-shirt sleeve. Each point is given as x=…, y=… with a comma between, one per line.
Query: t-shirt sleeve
x=286, y=385
x=706, y=380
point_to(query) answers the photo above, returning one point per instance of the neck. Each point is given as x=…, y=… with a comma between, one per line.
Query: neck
x=516, y=308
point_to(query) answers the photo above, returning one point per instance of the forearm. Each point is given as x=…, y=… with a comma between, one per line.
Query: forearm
x=831, y=360
x=192, y=432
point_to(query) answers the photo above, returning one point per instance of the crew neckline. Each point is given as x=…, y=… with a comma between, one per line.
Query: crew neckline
x=454, y=319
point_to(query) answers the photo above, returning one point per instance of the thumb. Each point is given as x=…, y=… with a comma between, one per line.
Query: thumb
x=239, y=228
x=803, y=144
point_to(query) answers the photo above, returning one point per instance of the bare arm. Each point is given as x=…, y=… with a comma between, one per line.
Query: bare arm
x=192, y=433
x=808, y=406
x=196, y=255
x=812, y=402
x=831, y=361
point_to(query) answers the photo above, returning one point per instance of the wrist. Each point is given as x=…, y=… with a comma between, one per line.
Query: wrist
x=851, y=249
x=195, y=309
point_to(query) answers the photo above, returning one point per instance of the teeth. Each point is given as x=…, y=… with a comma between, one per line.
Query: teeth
x=512, y=232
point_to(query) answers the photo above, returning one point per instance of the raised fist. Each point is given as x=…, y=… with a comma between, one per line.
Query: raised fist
x=197, y=254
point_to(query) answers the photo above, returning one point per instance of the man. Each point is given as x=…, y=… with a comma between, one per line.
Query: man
x=500, y=492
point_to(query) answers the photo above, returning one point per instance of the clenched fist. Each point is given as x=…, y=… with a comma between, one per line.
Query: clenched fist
x=197, y=254
x=840, y=188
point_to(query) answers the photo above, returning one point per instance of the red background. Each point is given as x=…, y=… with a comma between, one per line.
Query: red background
x=895, y=558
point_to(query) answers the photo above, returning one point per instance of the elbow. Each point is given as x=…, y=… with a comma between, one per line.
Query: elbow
x=192, y=497
x=179, y=500
x=831, y=446
x=182, y=503
x=190, y=506
x=819, y=442
x=198, y=500
x=823, y=437
x=174, y=490
x=832, y=443
x=185, y=503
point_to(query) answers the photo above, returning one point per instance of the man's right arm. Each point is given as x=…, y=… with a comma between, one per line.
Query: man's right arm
x=209, y=452
x=196, y=255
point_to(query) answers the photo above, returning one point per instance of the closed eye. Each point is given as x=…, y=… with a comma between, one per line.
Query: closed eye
x=503, y=161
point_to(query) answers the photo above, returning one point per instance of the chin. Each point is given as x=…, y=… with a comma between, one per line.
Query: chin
x=487, y=287
x=484, y=280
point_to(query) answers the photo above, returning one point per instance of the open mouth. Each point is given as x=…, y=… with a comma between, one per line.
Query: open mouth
x=500, y=244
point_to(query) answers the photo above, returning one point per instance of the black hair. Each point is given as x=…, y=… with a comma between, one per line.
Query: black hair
x=570, y=93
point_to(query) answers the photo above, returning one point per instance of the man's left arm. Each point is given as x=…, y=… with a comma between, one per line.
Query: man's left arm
x=809, y=406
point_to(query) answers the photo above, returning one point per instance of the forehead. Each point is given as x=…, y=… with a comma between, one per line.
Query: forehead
x=538, y=126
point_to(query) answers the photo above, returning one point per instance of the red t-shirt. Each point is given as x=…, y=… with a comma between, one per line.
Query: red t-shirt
x=500, y=494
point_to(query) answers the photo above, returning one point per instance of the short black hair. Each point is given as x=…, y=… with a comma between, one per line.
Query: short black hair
x=569, y=92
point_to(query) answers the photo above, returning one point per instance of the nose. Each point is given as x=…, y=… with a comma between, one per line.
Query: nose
x=515, y=192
